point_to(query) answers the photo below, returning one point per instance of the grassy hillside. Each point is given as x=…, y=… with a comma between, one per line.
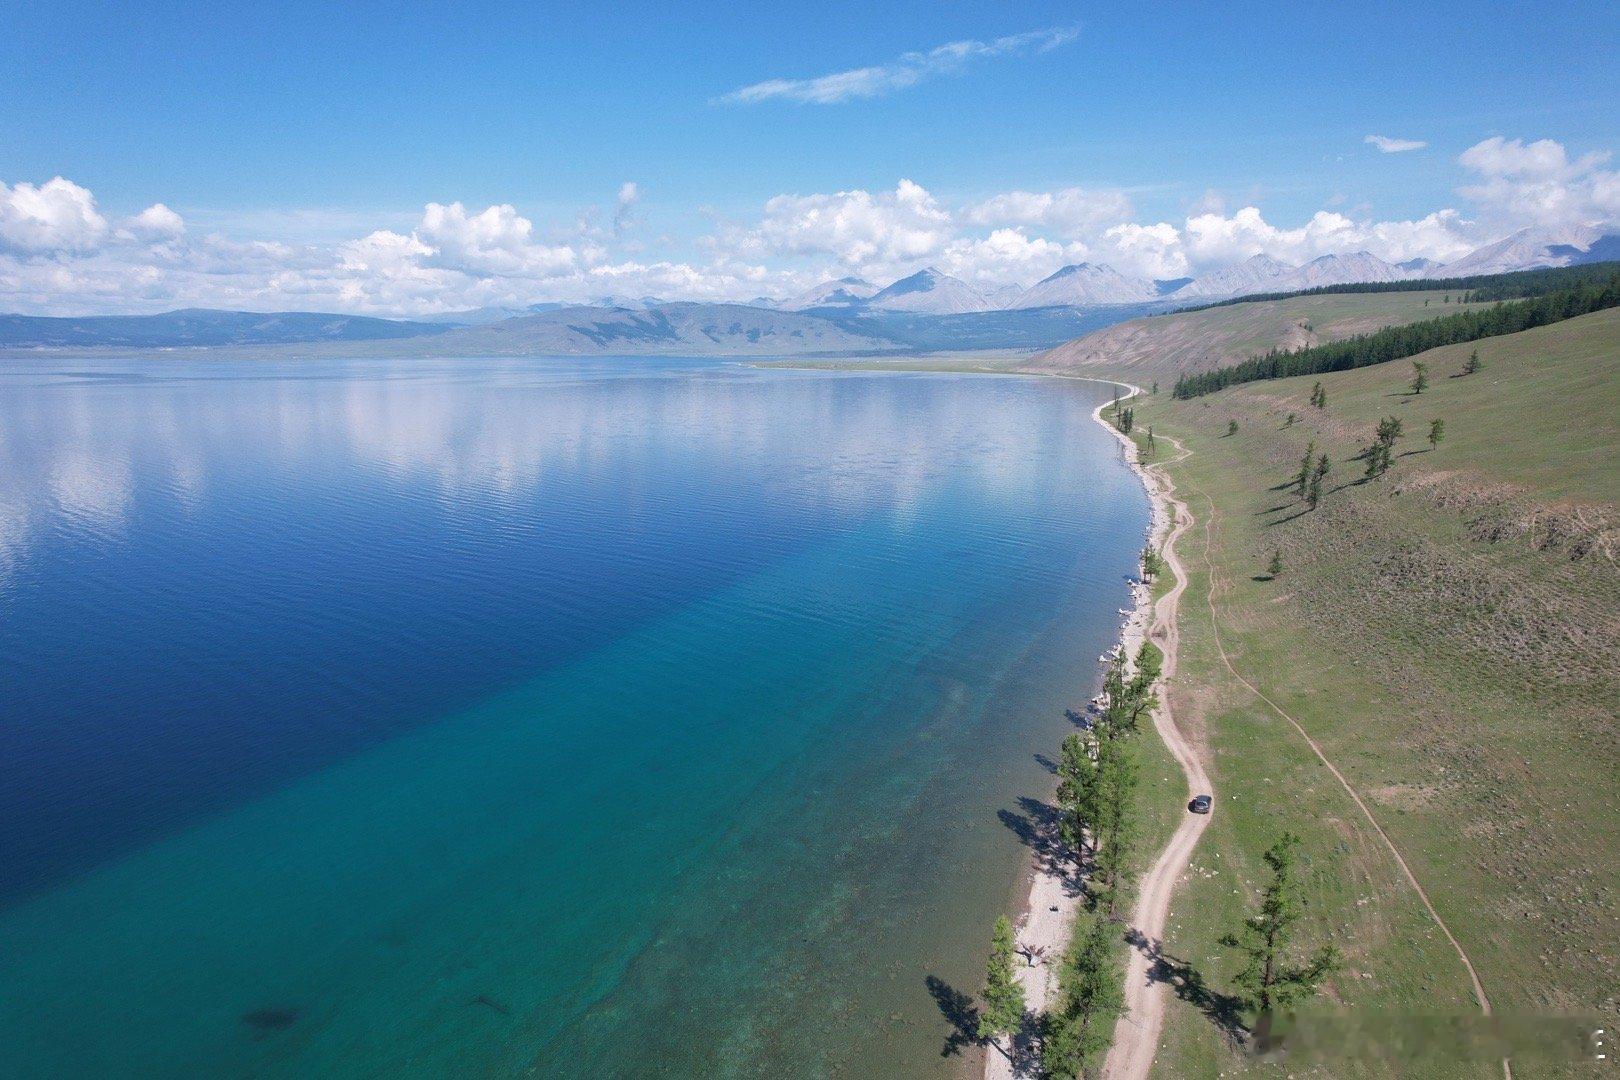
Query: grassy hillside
x=1163, y=345
x=1450, y=636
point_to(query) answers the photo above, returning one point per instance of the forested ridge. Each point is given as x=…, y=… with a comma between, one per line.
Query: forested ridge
x=1398, y=342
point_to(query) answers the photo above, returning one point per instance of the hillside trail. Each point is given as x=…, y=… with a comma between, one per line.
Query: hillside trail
x=1137, y=1034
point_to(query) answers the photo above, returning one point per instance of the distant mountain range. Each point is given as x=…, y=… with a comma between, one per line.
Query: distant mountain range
x=1092, y=285
x=197, y=327
x=678, y=328
x=925, y=310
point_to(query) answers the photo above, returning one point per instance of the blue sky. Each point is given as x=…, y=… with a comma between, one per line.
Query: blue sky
x=290, y=127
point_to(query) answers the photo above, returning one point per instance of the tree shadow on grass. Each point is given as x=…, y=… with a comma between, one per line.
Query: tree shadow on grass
x=1187, y=983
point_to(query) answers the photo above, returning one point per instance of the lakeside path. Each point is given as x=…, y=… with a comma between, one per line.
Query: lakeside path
x=1136, y=1036
x=1055, y=893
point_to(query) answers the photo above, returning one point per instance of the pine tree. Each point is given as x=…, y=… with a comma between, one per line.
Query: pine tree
x=1271, y=981
x=1305, y=465
x=1155, y=389
x=1003, y=994
x=1420, y=377
x=1437, y=432
x=1079, y=1028
x=1150, y=439
x=1378, y=460
x=1313, y=494
x=1231, y=427
x=1115, y=835
x=1319, y=396
x=1077, y=794
x=1275, y=567
x=1149, y=664
x=1152, y=563
x=1473, y=363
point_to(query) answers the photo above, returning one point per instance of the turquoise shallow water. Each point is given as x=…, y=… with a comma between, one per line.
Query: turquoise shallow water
x=493, y=718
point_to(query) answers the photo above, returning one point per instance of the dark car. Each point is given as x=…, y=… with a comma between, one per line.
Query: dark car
x=1200, y=804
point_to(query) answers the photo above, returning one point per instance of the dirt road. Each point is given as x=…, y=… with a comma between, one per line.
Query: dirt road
x=1137, y=1036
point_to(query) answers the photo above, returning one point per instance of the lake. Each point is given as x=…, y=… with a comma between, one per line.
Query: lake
x=491, y=718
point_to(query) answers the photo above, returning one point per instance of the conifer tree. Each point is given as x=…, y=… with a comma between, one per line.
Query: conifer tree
x=1420, y=377
x=1378, y=460
x=1231, y=427
x=1313, y=494
x=1003, y=994
x=1275, y=567
x=1077, y=794
x=1079, y=1028
x=1271, y=979
x=1306, y=464
x=1437, y=432
x=1115, y=835
x=1473, y=363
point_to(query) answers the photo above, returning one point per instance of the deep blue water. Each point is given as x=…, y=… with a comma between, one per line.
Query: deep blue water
x=494, y=718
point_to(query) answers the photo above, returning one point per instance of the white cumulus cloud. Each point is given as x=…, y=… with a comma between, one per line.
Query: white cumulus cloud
x=59, y=255
x=857, y=228
x=58, y=215
x=1070, y=212
x=1538, y=183
x=152, y=225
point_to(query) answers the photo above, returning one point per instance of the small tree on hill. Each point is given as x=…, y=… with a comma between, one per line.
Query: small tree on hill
x=1313, y=494
x=1420, y=377
x=1003, y=993
x=1319, y=396
x=1150, y=439
x=1155, y=389
x=1231, y=427
x=1275, y=567
x=1270, y=979
x=1473, y=363
x=1437, y=432
x=1306, y=464
x=1378, y=460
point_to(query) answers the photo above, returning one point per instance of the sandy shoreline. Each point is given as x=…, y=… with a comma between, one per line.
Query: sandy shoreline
x=1042, y=929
